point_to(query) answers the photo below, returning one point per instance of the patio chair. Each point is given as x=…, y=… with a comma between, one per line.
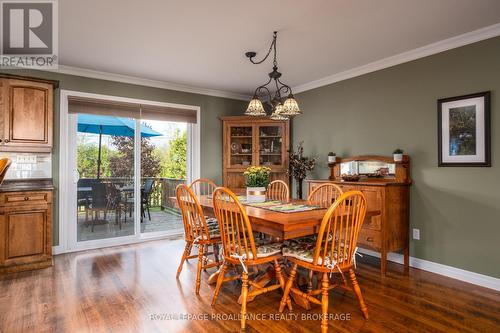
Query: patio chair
x=333, y=253
x=99, y=203
x=145, y=196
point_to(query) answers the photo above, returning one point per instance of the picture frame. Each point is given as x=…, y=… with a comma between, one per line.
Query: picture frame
x=464, y=131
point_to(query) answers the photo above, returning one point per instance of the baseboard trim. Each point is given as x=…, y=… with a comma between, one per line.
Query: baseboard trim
x=448, y=271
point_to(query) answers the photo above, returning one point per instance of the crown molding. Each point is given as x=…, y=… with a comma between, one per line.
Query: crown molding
x=145, y=82
x=421, y=52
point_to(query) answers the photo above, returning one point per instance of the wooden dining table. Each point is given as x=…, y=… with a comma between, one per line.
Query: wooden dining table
x=280, y=226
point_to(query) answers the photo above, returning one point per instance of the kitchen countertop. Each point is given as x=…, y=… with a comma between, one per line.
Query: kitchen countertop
x=26, y=185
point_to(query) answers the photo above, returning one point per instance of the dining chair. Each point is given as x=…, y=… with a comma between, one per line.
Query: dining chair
x=324, y=195
x=334, y=252
x=203, y=186
x=4, y=167
x=240, y=248
x=198, y=231
x=278, y=190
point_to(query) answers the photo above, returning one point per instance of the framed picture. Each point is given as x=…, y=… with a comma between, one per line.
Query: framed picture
x=464, y=130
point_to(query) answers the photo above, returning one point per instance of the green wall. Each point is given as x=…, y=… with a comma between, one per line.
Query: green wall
x=211, y=108
x=456, y=209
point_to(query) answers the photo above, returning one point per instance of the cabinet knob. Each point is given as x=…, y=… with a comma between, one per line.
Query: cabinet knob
x=26, y=198
x=6, y=140
x=369, y=239
x=1, y=140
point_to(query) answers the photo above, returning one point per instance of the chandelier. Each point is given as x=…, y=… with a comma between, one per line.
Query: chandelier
x=282, y=107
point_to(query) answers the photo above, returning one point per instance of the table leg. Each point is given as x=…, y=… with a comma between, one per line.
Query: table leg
x=262, y=281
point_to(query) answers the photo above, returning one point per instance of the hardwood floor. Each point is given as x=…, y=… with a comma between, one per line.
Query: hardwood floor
x=133, y=289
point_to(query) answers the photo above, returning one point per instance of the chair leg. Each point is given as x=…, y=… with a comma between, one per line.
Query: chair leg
x=310, y=282
x=324, y=303
x=220, y=280
x=215, y=247
x=288, y=286
x=281, y=281
x=244, y=296
x=198, y=271
x=205, y=259
x=187, y=251
x=357, y=291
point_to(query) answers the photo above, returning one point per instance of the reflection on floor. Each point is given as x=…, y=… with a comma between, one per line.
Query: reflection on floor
x=160, y=221
x=133, y=289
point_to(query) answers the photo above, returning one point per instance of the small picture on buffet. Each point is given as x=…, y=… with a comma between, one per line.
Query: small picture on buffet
x=464, y=130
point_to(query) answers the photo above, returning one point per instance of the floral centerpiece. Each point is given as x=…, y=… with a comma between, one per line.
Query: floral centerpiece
x=257, y=178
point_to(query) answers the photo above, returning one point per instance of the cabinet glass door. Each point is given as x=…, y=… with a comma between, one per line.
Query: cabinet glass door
x=271, y=145
x=241, y=146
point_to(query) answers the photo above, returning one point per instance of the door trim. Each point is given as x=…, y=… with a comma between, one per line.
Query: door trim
x=65, y=219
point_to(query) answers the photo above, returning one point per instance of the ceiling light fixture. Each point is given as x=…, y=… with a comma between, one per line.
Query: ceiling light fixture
x=282, y=108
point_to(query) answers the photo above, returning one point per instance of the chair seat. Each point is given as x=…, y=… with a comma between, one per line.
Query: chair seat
x=213, y=227
x=303, y=249
x=267, y=248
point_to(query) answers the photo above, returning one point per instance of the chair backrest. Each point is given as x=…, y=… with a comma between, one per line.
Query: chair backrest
x=203, y=186
x=148, y=186
x=99, y=197
x=324, y=195
x=234, y=225
x=4, y=167
x=339, y=230
x=195, y=225
x=278, y=190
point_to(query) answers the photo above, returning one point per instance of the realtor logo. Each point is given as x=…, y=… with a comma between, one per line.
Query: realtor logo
x=29, y=34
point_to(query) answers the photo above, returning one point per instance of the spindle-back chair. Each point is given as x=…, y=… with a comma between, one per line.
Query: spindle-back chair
x=324, y=195
x=334, y=252
x=278, y=190
x=197, y=231
x=240, y=248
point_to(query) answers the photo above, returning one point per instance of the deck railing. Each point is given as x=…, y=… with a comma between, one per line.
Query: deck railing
x=163, y=188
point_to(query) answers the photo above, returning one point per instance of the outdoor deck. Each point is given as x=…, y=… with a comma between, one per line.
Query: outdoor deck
x=165, y=220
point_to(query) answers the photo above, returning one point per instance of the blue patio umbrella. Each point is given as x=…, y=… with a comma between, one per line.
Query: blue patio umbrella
x=109, y=125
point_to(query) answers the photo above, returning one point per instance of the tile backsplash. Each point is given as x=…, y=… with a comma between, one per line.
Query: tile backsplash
x=28, y=165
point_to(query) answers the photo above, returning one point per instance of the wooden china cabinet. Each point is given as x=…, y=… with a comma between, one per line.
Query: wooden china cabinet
x=254, y=141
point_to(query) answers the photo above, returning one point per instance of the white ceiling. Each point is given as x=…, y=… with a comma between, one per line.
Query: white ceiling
x=202, y=43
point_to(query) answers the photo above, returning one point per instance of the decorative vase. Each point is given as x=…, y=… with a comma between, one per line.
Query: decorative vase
x=256, y=194
x=398, y=157
x=332, y=159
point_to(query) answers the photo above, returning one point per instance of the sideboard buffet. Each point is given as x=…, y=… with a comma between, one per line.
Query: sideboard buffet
x=387, y=191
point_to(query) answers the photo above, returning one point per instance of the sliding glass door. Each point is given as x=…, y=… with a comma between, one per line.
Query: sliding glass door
x=105, y=188
x=125, y=164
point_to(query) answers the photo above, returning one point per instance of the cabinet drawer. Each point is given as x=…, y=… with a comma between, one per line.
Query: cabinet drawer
x=347, y=188
x=370, y=238
x=15, y=198
x=373, y=223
